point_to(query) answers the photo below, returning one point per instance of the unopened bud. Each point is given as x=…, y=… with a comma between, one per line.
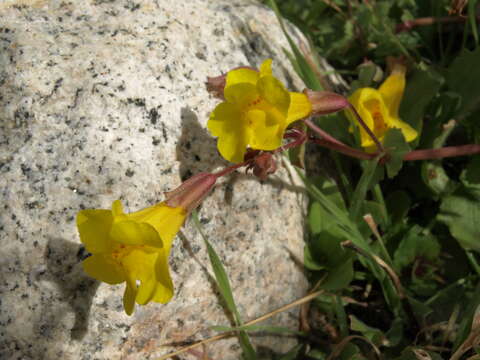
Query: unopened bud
x=263, y=164
x=192, y=192
x=325, y=102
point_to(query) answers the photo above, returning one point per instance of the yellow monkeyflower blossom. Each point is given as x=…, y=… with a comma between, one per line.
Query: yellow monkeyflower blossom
x=134, y=248
x=256, y=112
x=379, y=108
x=131, y=248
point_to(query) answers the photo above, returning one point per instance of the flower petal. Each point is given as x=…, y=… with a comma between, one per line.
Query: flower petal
x=242, y=94
x=129, y=298
x=221, y=116
x=164, y=290
x=233, y=145
x=300, y=107
x=131, y=232
x=264, y=128
x=392, y=90
x=140, y=265
x=166, y=220
x=104, y=269
x=274, y=92
x=266, y=68
x=241, y=76
x=408, y=132
x=94, y=228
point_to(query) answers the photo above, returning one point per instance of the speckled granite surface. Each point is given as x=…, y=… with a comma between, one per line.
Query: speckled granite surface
x=103, y=100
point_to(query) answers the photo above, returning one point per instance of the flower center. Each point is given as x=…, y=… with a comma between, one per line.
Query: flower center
x=379, y=124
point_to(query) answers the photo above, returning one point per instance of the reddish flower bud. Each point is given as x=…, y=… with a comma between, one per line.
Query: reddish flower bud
x=192, y=192
x=263, y=163
x=325, y=102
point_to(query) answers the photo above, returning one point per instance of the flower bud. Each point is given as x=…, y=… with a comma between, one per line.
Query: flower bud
x=263, y=163
x=325, y=102
x=192, y=192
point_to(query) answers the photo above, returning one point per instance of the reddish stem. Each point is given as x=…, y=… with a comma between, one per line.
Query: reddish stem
x=426, y=21
x=344, y=149
x=377, y=142
x=232, y=168
x=448, y=151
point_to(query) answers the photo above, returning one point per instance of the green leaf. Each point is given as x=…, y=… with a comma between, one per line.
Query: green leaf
x=472, y=173
x=472, y=18
x=415, y=245
x=460, y=211
x=398, y=205
x=262, y=328
x=339, y=277
x=422, y=86
x=396, y=146
x=294, y=353
x=306, y=72
x=226, y=291
x=360, y=192
x=437, y=180
x=463, y=77
x=376, y=336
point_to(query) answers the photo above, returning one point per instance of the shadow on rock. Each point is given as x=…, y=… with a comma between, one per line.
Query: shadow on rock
x=196, y=148
x=63, y=260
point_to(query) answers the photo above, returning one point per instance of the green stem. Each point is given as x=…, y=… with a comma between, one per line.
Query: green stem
x=473, y=262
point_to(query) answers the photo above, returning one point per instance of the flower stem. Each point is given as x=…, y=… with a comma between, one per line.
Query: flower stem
x=344, y=149
x=230, y=169
x=366, y=128
x=440, y=153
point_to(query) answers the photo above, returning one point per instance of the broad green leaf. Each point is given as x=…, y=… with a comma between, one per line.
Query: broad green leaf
x=376, y=336
x=415, y=245
x=422, y=86
x=463, y=78
x=226, y=291
x=437, y=180
x=460, y=211
x=472, y=173
x=339, y=277
x=396, y=147
x=398, y=205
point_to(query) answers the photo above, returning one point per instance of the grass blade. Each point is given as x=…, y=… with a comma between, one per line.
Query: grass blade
x=360, y=192
x=226, y=291
x=305, y=71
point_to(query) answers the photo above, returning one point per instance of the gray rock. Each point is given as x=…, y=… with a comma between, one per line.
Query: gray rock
x=103, y=100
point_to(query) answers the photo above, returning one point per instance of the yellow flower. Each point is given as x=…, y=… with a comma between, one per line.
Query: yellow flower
x=256, y=112
x=379, y=108
x=133, y=248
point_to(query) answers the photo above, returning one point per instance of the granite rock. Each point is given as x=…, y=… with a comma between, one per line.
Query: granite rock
x=103, y=100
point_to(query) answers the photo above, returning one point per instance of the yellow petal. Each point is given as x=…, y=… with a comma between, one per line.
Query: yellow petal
x=131, y=232
x=362, y=99
x=242, y=94
x=104, y=269
x=300, y=107
x=266, y=68
x=408, y=132
x=392, y=90
x=232, y=146
x=94, y=228
x=140, y=265
x=166, y=220
x=241, y=76
x=164, y=289
x=264, y=130
x=129, y=298
x=274, y=92
x=223, y=114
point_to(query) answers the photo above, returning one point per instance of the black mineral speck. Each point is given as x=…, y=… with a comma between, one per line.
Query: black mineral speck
x=153, y=115
x=129, y=173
